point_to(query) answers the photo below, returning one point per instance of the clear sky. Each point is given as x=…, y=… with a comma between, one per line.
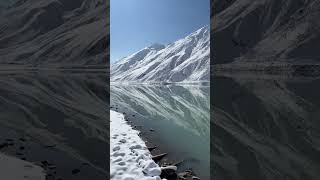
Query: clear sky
x=135, y=24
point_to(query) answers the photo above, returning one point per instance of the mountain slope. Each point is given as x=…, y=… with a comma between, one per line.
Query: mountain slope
x=55, y=32
x=185, y=60
x=266, y=31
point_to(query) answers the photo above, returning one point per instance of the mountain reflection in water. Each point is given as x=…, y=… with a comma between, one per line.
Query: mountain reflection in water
x=179, y=116
x=54, y=118
x=265, y=128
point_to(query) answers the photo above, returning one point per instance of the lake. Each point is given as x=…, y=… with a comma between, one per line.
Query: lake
x=174, y=118
x=265, y=127
x=57, y=120
x=262, y=127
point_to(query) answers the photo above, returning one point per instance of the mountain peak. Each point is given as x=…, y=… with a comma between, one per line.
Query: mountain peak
x=205, y=29
x=182, y=61
x=156, y=46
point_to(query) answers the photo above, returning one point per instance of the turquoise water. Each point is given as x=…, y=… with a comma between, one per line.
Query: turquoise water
x=179, y=116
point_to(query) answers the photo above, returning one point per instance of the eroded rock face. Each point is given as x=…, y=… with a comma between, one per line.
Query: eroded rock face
x=264, y=30
x=49, y=32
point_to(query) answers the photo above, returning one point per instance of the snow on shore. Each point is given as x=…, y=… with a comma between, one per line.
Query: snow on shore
x=129, y=156
x=12, y=168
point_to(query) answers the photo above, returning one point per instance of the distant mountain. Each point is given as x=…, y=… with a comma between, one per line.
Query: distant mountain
x=55, y=33
x=186, y=60
x=265, y=31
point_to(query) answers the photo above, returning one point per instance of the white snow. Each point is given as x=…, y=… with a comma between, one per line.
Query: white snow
x=186, y=60
x=15, y=169
x=129, y=156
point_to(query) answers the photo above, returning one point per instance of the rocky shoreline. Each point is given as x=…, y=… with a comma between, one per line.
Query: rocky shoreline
x=29, y=152
x=170, y=167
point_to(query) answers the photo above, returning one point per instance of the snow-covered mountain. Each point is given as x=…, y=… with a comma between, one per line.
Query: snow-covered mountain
x=263, y=31
x=55, y=33
x=186, y=60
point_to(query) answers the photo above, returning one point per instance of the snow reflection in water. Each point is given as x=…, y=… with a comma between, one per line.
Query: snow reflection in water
x=179, y=115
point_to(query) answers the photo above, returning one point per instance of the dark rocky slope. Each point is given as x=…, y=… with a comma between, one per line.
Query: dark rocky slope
x=265, y=31
x=55, y=33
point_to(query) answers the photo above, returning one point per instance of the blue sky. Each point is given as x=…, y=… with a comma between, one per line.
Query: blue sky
x=135, y=24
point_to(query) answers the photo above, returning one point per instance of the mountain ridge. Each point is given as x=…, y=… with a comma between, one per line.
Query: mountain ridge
x=265, y=31
x=55, y=33
x=185, y=60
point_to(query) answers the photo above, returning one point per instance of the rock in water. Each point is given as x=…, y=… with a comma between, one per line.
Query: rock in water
x=169, y=172
x=157, y=158
x=152, y=148
x=188, y=175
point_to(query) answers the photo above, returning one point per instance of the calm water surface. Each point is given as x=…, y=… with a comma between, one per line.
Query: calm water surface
x=179, y=116
x=265, y=128
x=54, y=118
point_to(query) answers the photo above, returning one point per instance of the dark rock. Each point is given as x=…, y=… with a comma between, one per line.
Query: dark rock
x=85, y=164
x=52, y=167
x=177, y=163
x=168, y=174
x=51, y=146
x=3, y=145
x=188, y=175
x=158, y=157
x=152, y=148
x=75, y=171
x=45, y=163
